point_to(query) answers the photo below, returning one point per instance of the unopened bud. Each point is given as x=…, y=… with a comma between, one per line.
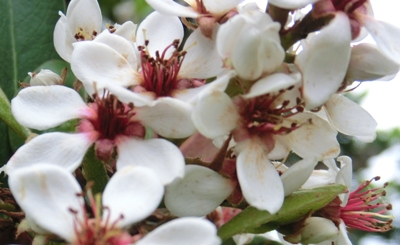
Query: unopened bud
x=317, y=230
x=45, y=78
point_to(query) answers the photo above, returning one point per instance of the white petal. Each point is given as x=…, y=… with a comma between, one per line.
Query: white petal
x=121, y=45
x=324, y=61
x=367, y=63
x=228, y=35
x=94, y=62
x=168, y=117
x=47, y=193
x=320, y=178
x=297, y=175
x=270, y=84
x=215, y=114
x=62, y=149
x=85, y=15
x=344, y=176
x=220, y=7
x=343, y=238
x=127, y=30
x=201, y=60
x=247, y=57
x=260, y=182
x=127, y=96
x=349, y=118
x=159, y=155
x=198, y=193
x=63, y=38
x=190, y=95
x=317, y=139
x=183, y=231
x=134, y=192
x=160, y=30
x=291, y=4
x=44, y=107
x=169, y=7
x=386, y=35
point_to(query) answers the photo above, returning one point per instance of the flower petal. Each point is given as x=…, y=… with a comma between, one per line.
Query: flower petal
x=367, y=63
x=198, y=193
x=270, y=84
x=159, y=155
x=315, y=139
x=168, y=117
x=47, y=193
x=160, y=30
x=133, y=192
x=169, y=7
x=215, y=114
x=121, y=45
x=221, y=7
x=386, y=36
x=94, y=62
x=62, y=149
x=344, y=177
x=260, y=182
x=63, y=38
x=84, y=16
x=291, y=4
x=127, y=30
x=44, y=107
x=190, y=95
x=183, y=231
x=324, y=61
x=349, y=118
x=201, y=60
x=297, y=175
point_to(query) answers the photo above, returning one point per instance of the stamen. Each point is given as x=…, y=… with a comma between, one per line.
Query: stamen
x=364, y=212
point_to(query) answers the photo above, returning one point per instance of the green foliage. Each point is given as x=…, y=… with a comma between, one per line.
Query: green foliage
x=26, y=42
x=295, y=207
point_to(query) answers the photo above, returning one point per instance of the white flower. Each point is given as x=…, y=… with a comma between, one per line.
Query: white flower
x=51, y=198
x=111, y=62
x=260, y=121
x=106, y=122
x=44, y=78
x=249, y=43
x=82, y=22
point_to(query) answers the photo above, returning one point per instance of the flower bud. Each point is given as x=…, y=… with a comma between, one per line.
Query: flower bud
x=250, y=44
x=317, y=230
x=45, y=78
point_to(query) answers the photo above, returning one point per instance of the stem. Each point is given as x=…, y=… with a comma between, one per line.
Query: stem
x=94, y=171
x=7, y=117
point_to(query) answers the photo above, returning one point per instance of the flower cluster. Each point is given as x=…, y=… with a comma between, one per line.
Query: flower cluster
x=199, y=122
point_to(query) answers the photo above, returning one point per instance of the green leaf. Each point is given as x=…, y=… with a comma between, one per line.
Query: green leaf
x=26, y=41
x=95, y=171
x=295, y=207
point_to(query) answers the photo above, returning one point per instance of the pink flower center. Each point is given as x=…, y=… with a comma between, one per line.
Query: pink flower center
x=95, y=231
x=160, y=74
x=365, y=211
x=111, y=118
x=266, y=115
